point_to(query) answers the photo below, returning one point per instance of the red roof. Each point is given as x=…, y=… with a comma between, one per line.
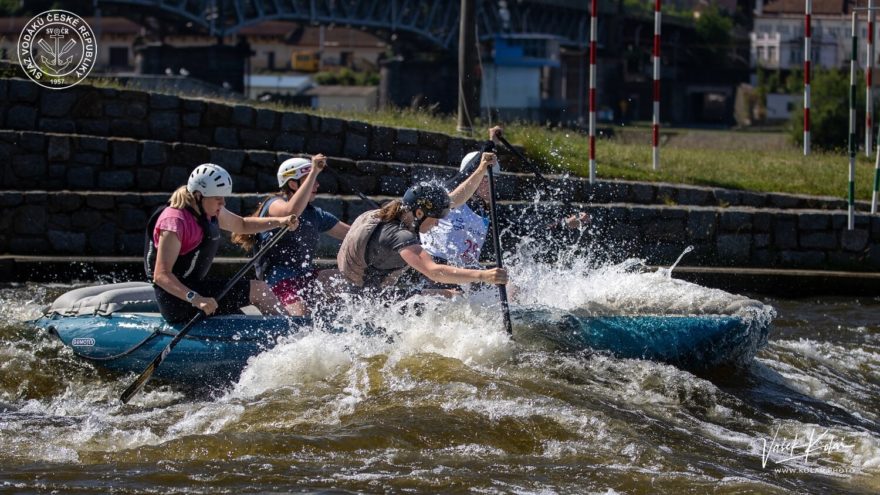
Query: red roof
x=311, y=35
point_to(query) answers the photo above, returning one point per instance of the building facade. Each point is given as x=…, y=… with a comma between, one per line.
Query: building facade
x=777, y=40
x=273, y=44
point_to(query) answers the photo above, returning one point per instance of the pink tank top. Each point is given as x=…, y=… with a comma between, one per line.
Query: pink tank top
x=182, y=223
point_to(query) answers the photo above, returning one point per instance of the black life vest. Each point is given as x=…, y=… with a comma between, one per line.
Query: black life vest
x=190, y=266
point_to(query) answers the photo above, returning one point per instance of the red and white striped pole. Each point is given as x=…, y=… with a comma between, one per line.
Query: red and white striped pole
x=656, y=128
x=869, y=76
x=854, y=61
x=807, y=55
x=594, y=15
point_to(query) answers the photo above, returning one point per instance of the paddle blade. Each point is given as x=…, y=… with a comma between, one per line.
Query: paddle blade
x=141, y=380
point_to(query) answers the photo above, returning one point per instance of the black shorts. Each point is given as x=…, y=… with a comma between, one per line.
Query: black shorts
x=176, y=310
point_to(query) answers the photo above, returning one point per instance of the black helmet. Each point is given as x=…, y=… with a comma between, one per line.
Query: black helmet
x=433, y=200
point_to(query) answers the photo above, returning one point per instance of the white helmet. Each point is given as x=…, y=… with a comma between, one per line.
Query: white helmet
x=293, y=168
x=496, y=169
x=210, y=180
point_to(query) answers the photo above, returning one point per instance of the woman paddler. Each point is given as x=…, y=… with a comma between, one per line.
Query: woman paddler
x=382, y=243
x=182, y=239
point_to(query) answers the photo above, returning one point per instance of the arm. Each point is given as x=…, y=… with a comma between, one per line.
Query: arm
x=166, y=254
x=251, y=225
x=339, y=231
x=495, y=133
x=419, y=259
x=467, y=188
x=300, y=199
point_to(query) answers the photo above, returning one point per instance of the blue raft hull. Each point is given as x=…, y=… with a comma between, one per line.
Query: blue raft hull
x=693, y=342
x=217, y=349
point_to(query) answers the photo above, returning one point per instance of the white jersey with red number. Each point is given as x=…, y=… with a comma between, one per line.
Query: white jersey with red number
x=458, y=238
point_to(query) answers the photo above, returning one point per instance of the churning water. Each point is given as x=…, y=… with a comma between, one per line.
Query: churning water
x=451, y=404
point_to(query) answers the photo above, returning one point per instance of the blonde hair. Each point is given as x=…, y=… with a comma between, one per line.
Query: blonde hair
x=181, y=198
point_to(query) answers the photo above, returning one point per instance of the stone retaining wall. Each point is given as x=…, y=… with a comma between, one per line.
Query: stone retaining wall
x=104, y=159
x=57, y=161
x=94, y=111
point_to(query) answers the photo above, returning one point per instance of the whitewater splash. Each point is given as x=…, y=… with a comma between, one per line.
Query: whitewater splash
x=469, y=328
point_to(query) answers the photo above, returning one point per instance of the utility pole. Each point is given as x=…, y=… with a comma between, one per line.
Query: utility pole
x=467, y=80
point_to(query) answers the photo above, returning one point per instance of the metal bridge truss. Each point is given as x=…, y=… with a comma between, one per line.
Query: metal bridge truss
x=435, y=21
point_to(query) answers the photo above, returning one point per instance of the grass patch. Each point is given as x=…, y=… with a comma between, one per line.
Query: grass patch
x=785, y=170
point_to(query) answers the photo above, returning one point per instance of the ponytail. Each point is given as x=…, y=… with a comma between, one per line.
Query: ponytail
x=181, y=198
x=390, y=211
x=247, y=241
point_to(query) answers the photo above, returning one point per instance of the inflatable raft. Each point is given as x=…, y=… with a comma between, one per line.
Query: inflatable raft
x=118, y=327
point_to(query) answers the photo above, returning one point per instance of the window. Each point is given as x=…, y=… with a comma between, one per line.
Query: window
x=270, y=60
x=771, y=53
x=760, y=53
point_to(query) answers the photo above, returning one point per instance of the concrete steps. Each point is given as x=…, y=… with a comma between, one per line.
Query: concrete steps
x=111, y=224
x=84, y=168
x=55, y=161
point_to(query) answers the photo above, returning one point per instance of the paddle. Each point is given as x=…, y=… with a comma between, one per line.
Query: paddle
x=502, y=289
x=139, y=383
x=350, y=187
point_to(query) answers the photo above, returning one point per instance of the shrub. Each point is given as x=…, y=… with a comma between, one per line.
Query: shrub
x=829, y=110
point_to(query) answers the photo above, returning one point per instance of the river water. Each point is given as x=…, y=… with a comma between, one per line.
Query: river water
x=451, y=404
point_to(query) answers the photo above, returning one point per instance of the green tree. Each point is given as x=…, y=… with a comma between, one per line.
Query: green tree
x=713, y=30
x=829, y=110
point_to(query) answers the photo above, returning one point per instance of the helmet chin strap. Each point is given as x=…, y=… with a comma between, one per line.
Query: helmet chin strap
x=417, y=222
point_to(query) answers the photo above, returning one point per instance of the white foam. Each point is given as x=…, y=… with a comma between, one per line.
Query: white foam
x=623, y=288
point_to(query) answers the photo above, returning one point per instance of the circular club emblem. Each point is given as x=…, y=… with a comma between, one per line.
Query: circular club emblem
x=57, y=49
